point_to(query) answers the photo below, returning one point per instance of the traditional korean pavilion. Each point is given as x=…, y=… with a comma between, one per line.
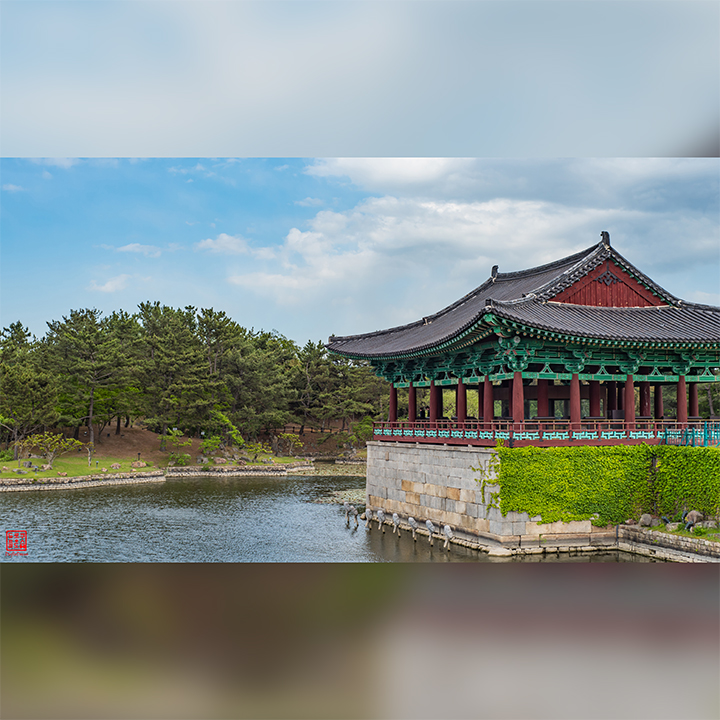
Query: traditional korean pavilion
x=563, y=347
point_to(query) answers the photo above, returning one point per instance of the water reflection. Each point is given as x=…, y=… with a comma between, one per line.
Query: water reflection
x=217, y=520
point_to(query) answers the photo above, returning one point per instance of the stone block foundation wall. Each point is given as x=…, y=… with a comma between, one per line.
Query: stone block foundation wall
x=437, y=483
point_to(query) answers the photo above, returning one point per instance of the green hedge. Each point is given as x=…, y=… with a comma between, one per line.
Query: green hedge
x=607, y=484
x=687, y=477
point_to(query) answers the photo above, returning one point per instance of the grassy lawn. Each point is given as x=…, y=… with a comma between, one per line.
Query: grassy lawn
x=77, y=466
x=74, y=466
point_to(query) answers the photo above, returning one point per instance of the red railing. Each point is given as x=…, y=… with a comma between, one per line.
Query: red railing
x=543, y=432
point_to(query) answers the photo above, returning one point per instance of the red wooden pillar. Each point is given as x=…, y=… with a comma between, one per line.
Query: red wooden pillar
x=658, y=402
x=461, y=401
x=629, y=402
x=481, y=387
x=543, y=408
x=611, y=398
x=645, y=399
x=694, y=409
x=440, y=403
x=682, y=401
x=575, y=402
x=621, y=397
x=392, y=412
x=518, y=400
x=433, y=402
x=488, y=404
x=594, y=398
x=412, y=403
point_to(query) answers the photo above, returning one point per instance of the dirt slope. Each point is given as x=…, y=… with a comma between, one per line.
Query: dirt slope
x=130, y=442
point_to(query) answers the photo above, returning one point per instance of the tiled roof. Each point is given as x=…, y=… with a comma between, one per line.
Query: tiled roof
x=524, y=297
x=685, y=323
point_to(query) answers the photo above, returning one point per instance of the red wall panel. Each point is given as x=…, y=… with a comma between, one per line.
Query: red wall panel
x=608, y=285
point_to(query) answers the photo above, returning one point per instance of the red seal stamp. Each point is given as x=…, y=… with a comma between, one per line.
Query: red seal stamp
x=15, y=541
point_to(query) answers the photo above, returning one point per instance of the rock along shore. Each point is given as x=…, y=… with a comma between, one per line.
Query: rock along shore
x=71, y=483
x=20, y=484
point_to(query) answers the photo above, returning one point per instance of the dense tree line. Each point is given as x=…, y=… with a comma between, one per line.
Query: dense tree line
x=174, y=368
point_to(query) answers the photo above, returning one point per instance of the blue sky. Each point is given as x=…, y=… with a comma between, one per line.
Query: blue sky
x=311, y=247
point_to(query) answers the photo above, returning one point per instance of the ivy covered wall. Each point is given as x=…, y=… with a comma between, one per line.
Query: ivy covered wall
x=608, y=484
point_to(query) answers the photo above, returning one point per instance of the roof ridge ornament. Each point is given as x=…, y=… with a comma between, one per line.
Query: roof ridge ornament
x=608, y=277
x=605, y=236
x=494, y=272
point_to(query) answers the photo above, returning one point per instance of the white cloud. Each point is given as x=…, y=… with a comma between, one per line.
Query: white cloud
x=46, y=175
x=264, y=253
x=200, y=170
x=146, y=250
x=385, y=172
x=390, y=260
x=705, y=298
x=64, y=163
x=309, y=202
x=114, y=284
x=9, y=187
x=224, y=244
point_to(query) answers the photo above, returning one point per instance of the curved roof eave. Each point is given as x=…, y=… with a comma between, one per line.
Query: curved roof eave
x=449, y=326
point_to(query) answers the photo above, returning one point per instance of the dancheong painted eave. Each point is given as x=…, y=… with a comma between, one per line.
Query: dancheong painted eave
x=522, y=302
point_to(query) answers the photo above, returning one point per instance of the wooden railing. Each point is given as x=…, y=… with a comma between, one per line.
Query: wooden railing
x=545, y=432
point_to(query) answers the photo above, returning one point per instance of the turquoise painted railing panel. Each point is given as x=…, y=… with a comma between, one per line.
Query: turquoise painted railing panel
x=585, y=435
x=526, y=436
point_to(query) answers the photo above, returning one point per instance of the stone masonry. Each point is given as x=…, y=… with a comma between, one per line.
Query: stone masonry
x=438, y=483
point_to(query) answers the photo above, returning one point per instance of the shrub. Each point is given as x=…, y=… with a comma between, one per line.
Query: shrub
x=210, y=445
x=686, y=477
x=362, y=431
x=607, y=484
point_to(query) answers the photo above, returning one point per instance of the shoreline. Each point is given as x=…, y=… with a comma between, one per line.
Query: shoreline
x=630, y=539
x=72, y=483
x=21, y=484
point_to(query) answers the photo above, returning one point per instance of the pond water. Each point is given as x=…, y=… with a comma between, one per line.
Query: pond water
x=216, y=520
